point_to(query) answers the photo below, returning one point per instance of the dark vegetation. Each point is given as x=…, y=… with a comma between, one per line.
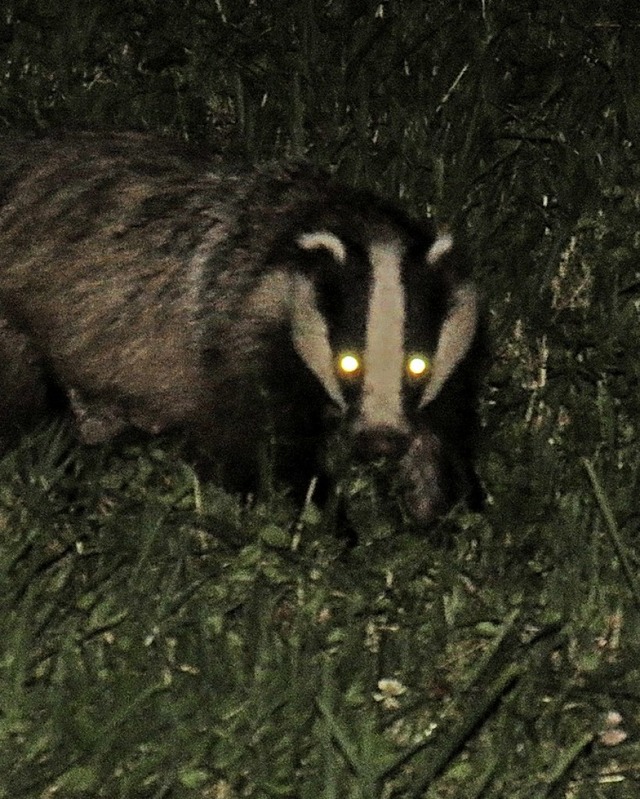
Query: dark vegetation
x=159, y=639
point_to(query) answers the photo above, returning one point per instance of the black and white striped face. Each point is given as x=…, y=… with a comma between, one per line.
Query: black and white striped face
x=382, y=325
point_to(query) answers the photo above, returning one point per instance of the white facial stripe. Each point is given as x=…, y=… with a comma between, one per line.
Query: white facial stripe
x=311, y=337
x=441, y=246
x=456, y=336
x=323, y=240
x=384, y=348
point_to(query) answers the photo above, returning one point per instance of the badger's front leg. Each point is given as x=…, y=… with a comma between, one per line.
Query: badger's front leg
x=425, y=480
x=431, y=481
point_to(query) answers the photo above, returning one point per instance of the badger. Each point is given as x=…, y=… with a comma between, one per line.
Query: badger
x=152, y=287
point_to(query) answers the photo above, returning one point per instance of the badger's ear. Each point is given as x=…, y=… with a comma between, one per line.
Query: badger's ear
x=323, y=240
x=442, y=245
x=460, y=326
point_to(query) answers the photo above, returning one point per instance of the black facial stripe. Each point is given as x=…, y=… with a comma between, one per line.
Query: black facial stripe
x=343, y=295
x=426, y=304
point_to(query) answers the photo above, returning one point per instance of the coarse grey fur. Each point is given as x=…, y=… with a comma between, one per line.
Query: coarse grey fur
x=155, y=289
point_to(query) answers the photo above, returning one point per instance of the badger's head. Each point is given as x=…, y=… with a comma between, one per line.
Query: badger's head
x=383, y=313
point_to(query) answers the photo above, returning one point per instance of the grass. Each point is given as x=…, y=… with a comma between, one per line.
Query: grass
x=160, y=639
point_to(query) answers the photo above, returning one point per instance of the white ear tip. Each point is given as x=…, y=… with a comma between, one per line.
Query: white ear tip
x=441, y=246
x=324, y=240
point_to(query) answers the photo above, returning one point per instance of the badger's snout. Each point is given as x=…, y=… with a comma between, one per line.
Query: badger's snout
x=382, y=441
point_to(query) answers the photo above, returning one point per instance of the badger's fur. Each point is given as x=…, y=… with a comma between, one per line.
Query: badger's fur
x=156, y=290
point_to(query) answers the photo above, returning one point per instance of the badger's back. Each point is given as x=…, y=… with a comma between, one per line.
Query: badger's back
x=160, y=290
x=99, y=247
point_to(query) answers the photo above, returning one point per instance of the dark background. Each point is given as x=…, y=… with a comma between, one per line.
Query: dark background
x=159, y=640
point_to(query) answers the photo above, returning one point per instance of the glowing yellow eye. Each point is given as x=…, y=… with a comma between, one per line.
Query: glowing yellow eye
x=349, y=364
x=417, y=366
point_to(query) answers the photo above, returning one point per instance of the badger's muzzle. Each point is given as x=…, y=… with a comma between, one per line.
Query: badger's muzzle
x=380, y=441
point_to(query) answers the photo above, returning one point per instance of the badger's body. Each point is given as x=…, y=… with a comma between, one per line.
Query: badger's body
x=156, y=291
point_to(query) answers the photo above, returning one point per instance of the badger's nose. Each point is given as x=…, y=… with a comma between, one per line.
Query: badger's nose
x=380, y=442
